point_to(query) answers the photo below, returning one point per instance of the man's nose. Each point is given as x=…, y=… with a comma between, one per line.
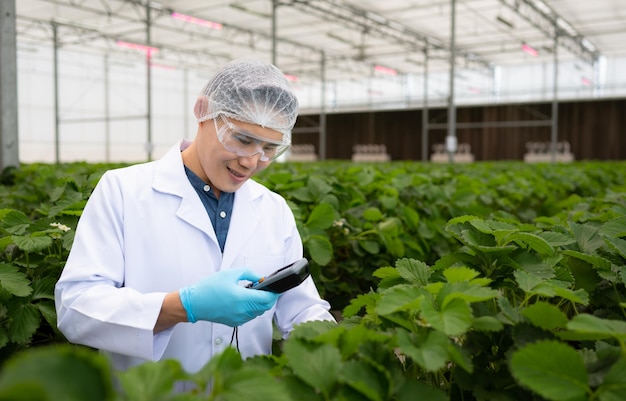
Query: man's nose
x=251, y=161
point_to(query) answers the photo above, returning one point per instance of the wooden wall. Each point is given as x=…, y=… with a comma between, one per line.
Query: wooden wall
x=595, y=130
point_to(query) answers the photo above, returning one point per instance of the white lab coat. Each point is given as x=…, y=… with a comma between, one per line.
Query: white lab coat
x=143, y=233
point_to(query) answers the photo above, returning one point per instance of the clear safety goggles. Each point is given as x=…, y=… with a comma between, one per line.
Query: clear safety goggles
x=244, y=143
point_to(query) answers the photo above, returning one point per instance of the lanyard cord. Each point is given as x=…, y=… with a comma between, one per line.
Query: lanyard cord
x=235, y=336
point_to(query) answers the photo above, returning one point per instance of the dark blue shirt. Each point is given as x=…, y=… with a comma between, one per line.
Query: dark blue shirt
x=219, y=210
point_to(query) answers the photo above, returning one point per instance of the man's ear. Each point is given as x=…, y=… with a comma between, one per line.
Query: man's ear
x=201, y=109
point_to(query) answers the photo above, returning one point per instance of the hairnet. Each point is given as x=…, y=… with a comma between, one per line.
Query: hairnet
x=250, y=91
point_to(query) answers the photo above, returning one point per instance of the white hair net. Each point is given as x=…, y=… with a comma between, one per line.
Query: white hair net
x=250, y=91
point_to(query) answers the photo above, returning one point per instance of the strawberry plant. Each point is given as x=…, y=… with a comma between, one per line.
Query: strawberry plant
x=488, y=281
x=34, y=244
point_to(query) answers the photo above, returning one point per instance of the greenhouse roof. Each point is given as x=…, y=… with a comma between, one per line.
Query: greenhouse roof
x=344, y=39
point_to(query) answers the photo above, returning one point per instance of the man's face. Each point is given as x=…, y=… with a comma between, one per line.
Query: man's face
x=227, y=171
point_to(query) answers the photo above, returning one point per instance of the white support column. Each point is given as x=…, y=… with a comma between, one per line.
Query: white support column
x=9, y=150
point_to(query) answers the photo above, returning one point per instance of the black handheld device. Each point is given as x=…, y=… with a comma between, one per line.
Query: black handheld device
x=285, y=278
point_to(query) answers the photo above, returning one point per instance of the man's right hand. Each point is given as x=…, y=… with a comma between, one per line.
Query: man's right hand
x=219, y=298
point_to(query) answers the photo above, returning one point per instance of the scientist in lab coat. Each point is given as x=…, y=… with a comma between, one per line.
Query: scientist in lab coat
x=162, y=249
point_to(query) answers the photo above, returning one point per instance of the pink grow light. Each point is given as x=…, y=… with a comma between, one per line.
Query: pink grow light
x=385, y=70
x=533, y=52
x=197, y=21
x=137, y=46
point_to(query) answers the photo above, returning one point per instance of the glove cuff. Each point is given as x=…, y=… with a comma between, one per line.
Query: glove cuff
x=184, y=299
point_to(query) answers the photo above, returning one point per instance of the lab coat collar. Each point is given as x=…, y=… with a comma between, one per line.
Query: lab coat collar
x=170, y=178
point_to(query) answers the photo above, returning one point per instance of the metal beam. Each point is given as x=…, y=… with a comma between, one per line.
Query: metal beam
x=374, y=23
x=451, y=140
x=544, y=18
x=135, y=11
x=495, y=124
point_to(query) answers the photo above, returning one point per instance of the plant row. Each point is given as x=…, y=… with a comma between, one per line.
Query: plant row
x=482, y=282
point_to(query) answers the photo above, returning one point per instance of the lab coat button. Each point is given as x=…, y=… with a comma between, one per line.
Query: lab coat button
x=206, y=188
x=222, y=214
x=218, y=341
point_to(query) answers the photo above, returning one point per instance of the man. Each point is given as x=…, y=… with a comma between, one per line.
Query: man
x=162, y=248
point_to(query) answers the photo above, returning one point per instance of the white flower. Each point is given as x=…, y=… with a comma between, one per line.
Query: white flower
x=61, y=227
x=339, y=223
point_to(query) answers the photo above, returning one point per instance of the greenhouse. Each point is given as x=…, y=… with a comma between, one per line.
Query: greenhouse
x=313, y=200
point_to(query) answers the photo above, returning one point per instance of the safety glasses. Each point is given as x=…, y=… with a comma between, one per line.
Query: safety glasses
x=244, y=143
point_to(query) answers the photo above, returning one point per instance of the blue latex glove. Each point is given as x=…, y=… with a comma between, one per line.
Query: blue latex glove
x=218, y=298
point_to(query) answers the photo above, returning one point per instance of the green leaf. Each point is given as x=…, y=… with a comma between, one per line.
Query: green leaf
x=24, y=323
x=617, y=244
x=478, y=239
x=410, y=217
x=320, y=248
x=388, y=202
x=373, y=214
x=220, y=366
x=151, y=380
x=585, y=275
x=366, y=380
x=317, y=365
x=71, y=200
x=390, y=227
x=460, y=357
x=537, y=266
x=535, y=242
x=32, y=243
x=43, y=288
x=586, y=236
x=400, y=297
x=466, y=292
x=527, y=282
x=361, y=301
x=614, y=228
x=372, y=247
x=62, y=372
x=303, y=195
x=314, y=329
x=508, y=313
x=613, y=387
x=252, y=385
x=68, y=239
x=453, y=258
x=387, y=272
x=414, y=390
x=487, y=323
x=594, y=260
x=318, y=185
x=48, y=311
x=579, y=296
x=4, y=338
x=461, y=273
x=281, y=177
x=545, y=316
x=430, y=351
x=414, y=271
x=13, y=281
x=481, y=226
x=462, y=219
x=14, y=221
x=552, y=369
x=589, y=327
x=298, y=389
x=454, y=319
x=323, y=216
x=556, y=238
